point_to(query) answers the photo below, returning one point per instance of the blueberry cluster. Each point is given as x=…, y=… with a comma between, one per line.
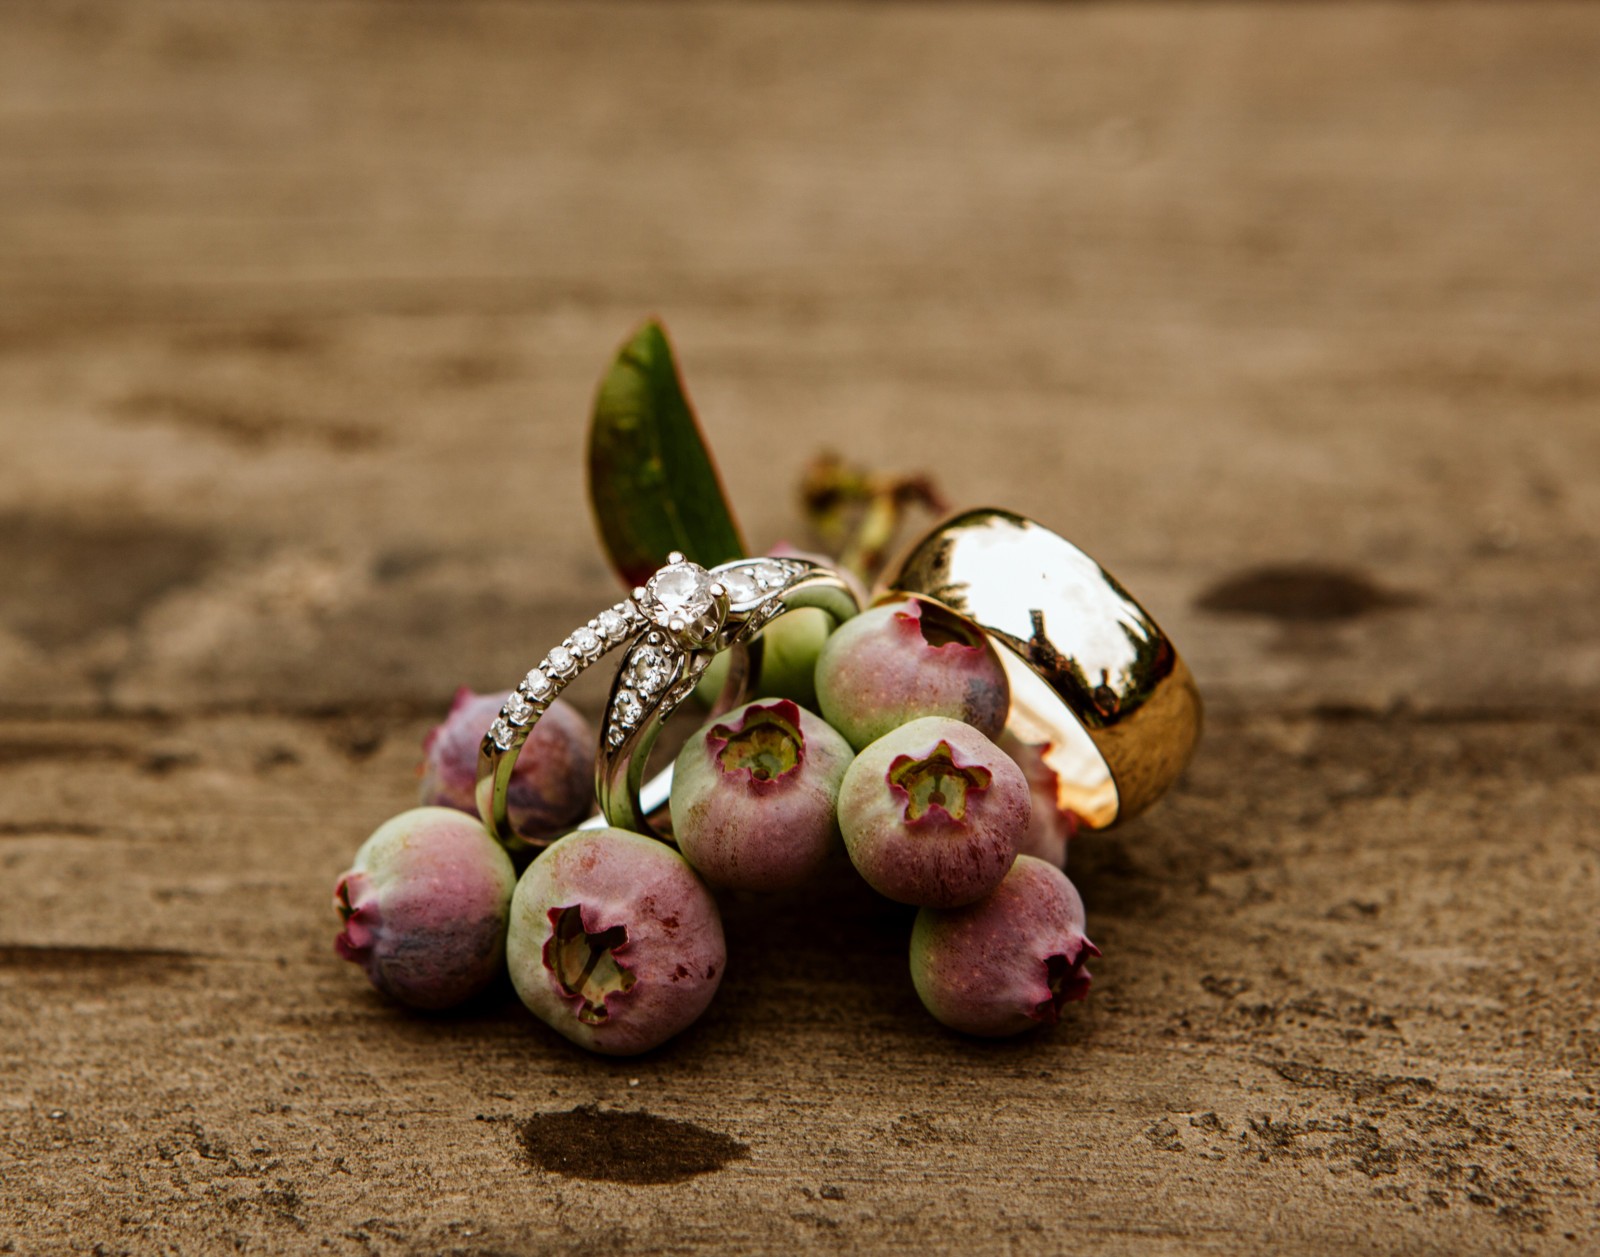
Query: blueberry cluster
x=614, y=939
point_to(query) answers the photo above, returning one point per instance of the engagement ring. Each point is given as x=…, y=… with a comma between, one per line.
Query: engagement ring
x=672, y=627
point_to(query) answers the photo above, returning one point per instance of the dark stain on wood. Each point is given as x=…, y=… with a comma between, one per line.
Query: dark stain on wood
x=618, y=1147
x=156, y=762
x=51, y=829
x=1301, y=592
x=157, y=961
x=273, y=339
x=248, y=425
x=69, y=579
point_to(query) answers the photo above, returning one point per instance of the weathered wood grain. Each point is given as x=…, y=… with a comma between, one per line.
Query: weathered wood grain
x=301, y=306
x=293, y=294
x=1346, y=1001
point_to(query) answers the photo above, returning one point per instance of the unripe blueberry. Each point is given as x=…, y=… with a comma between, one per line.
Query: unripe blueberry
x=553, y=785
x=932, y=813
x=754, y=796
x=790, y=646
x=1052, y=826
x=904, y=660
x=1009, y=961
x=424, y=907
x=614, y=942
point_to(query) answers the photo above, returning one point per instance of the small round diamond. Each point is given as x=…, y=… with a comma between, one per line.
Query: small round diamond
x=741, y=584
x=539, y=686
x=627, y=708
x=502, y=735
x=518, y=709
x=679, y=591
x=612, y=623
x=560, y=661
x=647, y=670
x=586, y=642
x=771, y=574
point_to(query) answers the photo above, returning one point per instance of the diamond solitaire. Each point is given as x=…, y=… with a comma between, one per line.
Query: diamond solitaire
x=684, y=599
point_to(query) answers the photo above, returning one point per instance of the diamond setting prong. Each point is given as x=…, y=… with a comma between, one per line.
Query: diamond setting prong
x=683, y=598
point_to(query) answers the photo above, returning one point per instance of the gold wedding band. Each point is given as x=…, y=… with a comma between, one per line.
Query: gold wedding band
x=1092, y=675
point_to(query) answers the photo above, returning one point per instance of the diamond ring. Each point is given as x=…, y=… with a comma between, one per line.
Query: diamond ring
x=672, y=627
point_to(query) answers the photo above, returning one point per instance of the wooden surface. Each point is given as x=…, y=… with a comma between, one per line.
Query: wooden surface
x=301, y=306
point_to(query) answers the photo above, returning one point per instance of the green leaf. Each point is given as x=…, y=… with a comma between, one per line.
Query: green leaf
x=652, y=484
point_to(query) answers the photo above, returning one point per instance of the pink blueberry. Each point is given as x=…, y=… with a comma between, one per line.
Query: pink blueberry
x=932, y=813
x=1008, y=962
x=1052, y=826
x=424, y=907
x=754, y=796
x=904, y=660
x=614, y=942
x=553, y=786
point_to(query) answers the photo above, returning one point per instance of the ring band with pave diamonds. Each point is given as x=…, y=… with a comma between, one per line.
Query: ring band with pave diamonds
x=672, y=627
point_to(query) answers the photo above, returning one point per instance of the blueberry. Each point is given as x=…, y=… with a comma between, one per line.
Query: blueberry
x=553, y=786
x=614, y=942
x=932, y=813
x=1008, y=962
x=1052, y=827
x=754, y=796
x=424, y=907
x=905, y=660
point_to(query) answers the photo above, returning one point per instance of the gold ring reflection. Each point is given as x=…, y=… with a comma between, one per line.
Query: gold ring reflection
x=1091, y=673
